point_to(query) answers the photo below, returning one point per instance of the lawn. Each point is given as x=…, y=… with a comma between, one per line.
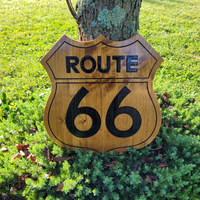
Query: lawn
x=33, y=167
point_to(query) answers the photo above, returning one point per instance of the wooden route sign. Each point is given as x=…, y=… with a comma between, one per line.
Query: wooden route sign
x=102, y=97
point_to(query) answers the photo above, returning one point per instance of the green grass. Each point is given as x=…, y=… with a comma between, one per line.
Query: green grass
x=28, y=29
x=173, y=29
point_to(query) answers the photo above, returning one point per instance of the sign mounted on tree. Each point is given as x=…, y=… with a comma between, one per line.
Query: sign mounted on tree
x=102, y=97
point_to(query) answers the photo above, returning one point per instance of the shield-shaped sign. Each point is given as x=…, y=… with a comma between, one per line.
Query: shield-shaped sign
x=102, y=97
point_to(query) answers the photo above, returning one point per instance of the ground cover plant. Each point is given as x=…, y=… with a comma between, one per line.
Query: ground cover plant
x=33, y=167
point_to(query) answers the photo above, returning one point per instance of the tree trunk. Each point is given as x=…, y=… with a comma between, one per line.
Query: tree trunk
x=114, y=19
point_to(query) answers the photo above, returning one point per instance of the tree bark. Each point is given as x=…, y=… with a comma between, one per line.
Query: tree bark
x=114, y=19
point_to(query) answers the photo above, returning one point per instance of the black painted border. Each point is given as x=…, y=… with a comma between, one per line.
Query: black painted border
x=99, y=83
x=94, y=46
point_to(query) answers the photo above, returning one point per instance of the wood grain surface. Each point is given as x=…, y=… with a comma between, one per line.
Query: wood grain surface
x=102, y=97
